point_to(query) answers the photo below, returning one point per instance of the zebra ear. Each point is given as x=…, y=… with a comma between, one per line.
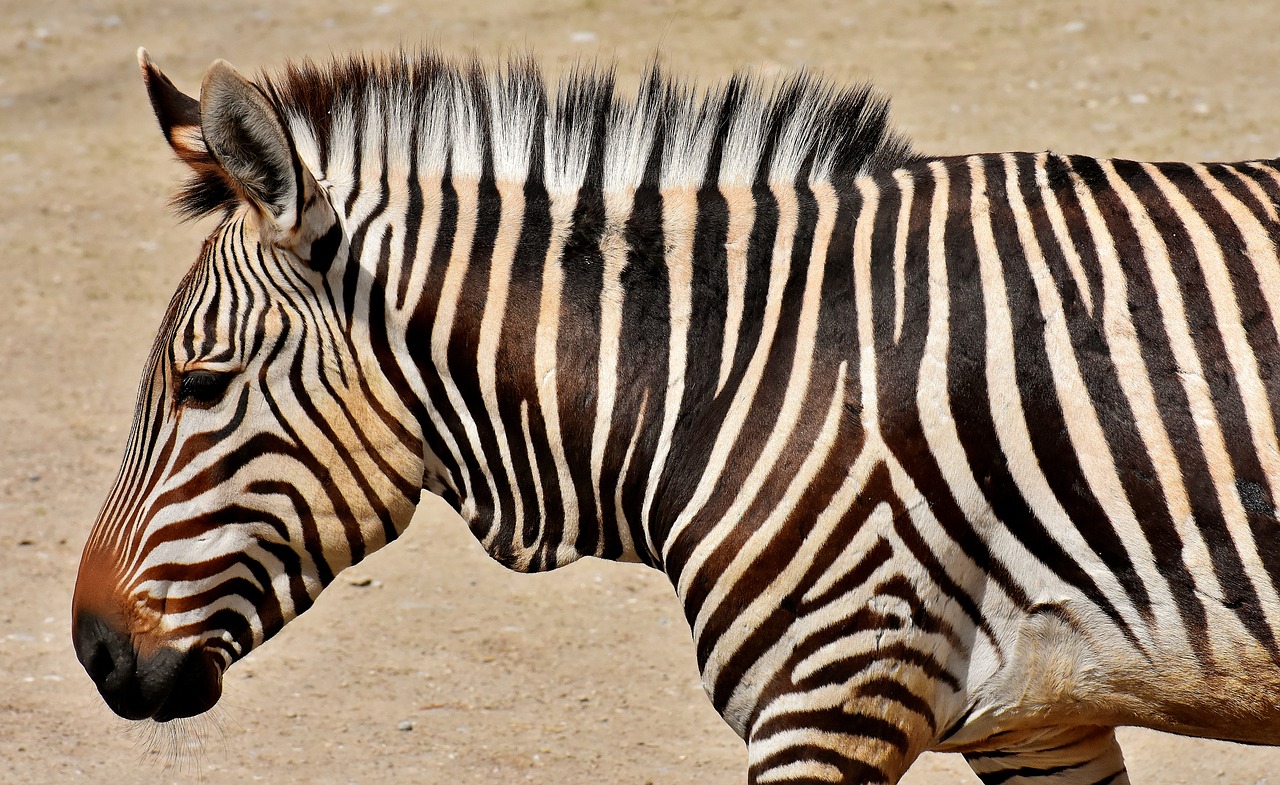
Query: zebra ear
x=177, y=112
x=244, y=134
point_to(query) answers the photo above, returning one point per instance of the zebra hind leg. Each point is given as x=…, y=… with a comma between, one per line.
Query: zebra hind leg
x=1066, y=756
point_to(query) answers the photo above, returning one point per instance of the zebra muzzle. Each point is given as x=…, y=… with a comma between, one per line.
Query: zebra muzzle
x=162, y=685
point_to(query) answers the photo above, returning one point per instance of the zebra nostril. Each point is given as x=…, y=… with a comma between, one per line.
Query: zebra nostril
x=108, y=657
x=100, y=665
x=196, y=682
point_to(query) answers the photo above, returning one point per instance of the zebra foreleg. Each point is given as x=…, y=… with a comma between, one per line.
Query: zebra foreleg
x=833, y=745
x=1067, y=756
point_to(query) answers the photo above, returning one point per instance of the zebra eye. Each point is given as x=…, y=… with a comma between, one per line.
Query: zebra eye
x=203, y=388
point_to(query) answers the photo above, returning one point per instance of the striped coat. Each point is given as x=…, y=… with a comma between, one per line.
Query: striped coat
x=973, y=454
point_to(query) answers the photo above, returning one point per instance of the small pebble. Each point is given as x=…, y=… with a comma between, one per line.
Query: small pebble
x=405, y=725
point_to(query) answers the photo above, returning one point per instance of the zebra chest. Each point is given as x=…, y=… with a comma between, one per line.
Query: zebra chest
x=845, y=623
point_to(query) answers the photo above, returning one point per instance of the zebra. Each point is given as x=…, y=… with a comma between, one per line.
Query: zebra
x=973, y=453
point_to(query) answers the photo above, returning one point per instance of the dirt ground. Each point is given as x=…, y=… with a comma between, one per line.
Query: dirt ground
x=431, y=664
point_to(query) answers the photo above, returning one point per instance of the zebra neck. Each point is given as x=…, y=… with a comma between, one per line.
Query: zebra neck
x=555, y=352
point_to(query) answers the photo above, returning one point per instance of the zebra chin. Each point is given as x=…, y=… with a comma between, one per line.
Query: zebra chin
x=138, y=682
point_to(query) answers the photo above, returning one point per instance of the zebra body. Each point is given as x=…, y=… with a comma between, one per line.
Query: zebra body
x=972, y=454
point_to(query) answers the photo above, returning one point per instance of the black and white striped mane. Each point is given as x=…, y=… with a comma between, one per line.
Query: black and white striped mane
x=432, y=114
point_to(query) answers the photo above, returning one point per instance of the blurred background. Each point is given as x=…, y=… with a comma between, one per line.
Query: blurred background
x=429, y=663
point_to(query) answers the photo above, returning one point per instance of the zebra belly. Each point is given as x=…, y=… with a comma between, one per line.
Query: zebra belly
x=1065, y=668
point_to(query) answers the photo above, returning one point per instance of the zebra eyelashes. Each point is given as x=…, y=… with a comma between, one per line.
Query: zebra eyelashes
x=203, y=388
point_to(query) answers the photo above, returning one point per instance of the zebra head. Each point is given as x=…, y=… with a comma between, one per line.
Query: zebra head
x=267, y=451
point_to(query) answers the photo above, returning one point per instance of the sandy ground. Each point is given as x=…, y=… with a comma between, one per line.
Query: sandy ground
x=442, y=667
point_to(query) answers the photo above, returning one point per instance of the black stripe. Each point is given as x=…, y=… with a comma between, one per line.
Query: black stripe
x=578, y=352
x=516, y=347
x=646, y=333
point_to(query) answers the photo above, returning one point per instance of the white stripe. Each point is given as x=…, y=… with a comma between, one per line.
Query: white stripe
x=614, y=252
x=764, y=604
x=510, y=223
x=742, y=213
x=1053, y=209
x=544, y=367
x=455, y=273
x=933, y=398
x=679, y=221
x=907, y=187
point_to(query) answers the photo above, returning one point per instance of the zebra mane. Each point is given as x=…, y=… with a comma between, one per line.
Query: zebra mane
x=474, y=119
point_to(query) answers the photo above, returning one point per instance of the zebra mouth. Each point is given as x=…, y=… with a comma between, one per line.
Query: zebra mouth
x=162, y=686
x=195, y=687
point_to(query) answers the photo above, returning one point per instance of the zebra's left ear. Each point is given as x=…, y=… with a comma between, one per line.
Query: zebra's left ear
x=244, y=133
